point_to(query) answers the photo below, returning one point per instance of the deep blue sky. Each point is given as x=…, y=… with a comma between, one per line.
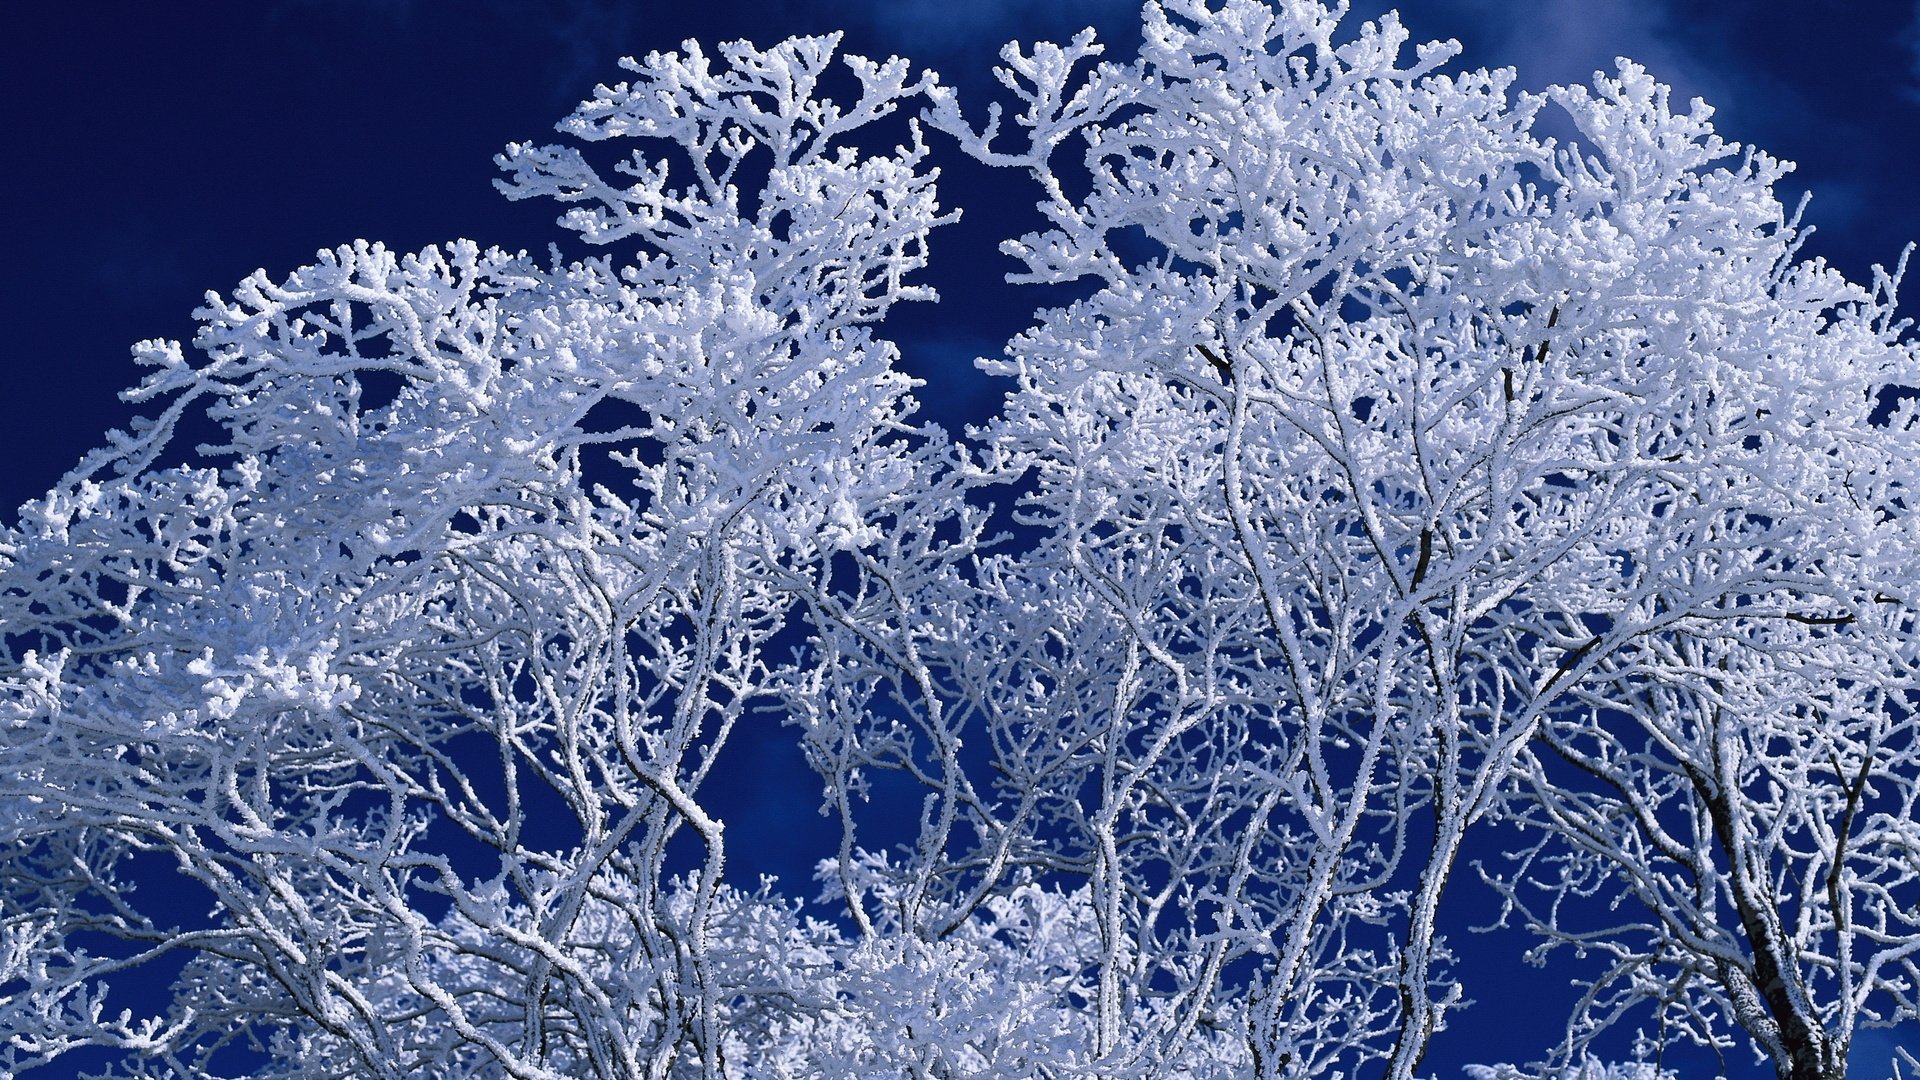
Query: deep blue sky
x=160, y=149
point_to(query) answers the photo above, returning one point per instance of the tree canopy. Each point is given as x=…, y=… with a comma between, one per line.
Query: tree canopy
x=1389, y=494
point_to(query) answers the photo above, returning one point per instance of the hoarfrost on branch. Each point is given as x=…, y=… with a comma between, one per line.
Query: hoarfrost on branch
x=1403, y=484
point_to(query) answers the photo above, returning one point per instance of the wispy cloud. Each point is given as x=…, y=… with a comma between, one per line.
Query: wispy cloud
x=1567, y=41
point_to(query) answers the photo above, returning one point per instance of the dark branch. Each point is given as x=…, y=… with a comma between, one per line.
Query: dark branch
x=1224, y=368
x=1426, y=556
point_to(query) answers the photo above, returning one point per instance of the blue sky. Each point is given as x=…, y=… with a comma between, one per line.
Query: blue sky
x=163, y=149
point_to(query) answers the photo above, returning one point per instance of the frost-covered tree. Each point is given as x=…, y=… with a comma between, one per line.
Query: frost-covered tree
x=1400, y=476
x=1588, y=1069
x=1753, y=793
